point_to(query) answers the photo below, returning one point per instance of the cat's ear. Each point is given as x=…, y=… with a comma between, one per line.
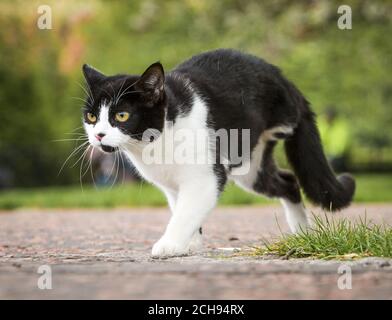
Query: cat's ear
x=151, y=83
x=92, y=75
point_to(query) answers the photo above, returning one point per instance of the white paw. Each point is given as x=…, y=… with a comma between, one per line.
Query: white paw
x=196, y=242
x=166, y=247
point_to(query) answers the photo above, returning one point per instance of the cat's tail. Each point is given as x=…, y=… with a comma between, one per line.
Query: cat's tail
x=306, y=156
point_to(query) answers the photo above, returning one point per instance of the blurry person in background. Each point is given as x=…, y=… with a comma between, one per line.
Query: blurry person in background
x=335, y=135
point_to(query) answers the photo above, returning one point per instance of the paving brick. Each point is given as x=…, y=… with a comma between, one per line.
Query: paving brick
x=106, y=254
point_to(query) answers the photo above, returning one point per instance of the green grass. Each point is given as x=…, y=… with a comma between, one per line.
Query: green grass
x=127, y=195
x=370, y=188
x=330, y=238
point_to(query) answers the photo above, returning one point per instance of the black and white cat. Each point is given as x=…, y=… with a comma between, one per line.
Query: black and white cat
x=218, y=90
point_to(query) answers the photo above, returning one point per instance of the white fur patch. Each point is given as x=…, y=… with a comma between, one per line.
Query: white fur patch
x=296, y=215
x=270, y=133
x=247, y=181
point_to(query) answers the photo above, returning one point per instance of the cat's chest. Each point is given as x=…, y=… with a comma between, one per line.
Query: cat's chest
x=169, y=161
x=155, y=172
x=155, y=166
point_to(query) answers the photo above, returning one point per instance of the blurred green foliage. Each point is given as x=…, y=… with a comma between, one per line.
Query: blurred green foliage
x=40, y=69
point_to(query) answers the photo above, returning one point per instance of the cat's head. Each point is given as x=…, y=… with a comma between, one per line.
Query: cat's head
x=119, y=109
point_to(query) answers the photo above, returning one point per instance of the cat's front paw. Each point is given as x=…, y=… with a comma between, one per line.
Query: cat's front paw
x=167, y=247
x=196, y=243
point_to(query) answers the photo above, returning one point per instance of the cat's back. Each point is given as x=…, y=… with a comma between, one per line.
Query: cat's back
x=228, y=64
x=242, y=90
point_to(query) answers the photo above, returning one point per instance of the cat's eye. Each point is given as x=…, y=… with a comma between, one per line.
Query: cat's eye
x=122, y=116
x=90, y=117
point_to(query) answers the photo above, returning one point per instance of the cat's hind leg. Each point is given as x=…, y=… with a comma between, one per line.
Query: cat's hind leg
x=273, y=182
x=282, y=184
x=296, y=215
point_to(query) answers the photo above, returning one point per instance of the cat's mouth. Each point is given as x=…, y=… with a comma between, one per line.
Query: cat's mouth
x=108, y=149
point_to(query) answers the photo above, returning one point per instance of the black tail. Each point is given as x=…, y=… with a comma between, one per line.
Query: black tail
x=306, y=155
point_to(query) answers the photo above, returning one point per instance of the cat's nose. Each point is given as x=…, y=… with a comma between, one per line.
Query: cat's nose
x=99, y=136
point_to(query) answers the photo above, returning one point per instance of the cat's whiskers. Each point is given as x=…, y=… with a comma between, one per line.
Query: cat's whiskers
x=112, y=169
x=74, y=152
x=91, y=166
x=122, y=92
x=81, y=138
x=78, y=137
x=114, y=165
x=82, y=156
x=81, y=166
x=107, y=93
x=125, y=91
x=88, y=94
x=129, y=92
x=116, y=99
x=118, y=167
x=123, y=165
x=114, y=93
x=88, y=164
x=76, y=133
x=85, y=102
x=77, y=128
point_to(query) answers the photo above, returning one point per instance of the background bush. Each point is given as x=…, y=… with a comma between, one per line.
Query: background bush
x=40, y=69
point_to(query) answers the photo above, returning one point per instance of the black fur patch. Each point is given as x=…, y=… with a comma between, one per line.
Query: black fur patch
x=274, y=182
